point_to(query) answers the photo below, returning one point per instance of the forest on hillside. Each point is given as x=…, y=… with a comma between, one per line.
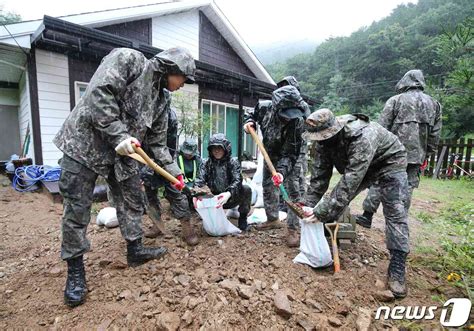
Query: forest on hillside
x=358, y=73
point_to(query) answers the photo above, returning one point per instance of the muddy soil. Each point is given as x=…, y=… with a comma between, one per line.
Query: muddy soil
x=236, y=282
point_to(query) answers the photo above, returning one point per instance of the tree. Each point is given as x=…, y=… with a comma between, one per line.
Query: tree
x=351, y=72
x=333, y=100
x=190, y=120
x=7, y=17
x=455, y=53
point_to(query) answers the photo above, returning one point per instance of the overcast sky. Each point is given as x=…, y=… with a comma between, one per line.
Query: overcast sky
x=257, y=21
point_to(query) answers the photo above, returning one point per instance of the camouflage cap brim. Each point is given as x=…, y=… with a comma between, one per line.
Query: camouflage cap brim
x=187, y=151
x=324, y=134
x=190, y=79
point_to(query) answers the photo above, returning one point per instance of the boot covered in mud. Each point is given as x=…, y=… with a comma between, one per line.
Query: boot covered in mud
x=243, y=225
x=188, y=234
x=158, y=226
x=292, y=238
x=269, y=225
x=137, y=254
x=365, y=219
x=396, y=273
x=76, y=287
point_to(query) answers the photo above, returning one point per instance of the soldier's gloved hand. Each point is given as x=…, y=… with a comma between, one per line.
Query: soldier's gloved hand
x=180, y=185
x=247, y=125
x=222, y=199
x=125, y=146
x=310, y=217
x=277, y=179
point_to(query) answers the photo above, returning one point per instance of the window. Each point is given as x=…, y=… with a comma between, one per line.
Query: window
x=79, y=90
x=223, y=118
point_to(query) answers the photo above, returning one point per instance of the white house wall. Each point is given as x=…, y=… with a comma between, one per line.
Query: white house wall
x=181, y=29
x=24, y=114
x=53, y=98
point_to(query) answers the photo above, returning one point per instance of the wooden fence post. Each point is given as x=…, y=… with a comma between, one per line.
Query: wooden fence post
x=468, y=164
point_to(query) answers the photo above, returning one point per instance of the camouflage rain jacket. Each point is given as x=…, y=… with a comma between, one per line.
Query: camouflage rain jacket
x=220, y=175
x=124, y=99
x=282, y=140
x=363, y=152
x=414, y=117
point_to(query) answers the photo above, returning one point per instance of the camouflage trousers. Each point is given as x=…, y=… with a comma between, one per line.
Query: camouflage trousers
x=394, y=195
x=178, y=202
x=77, y=186
x=296, y=182
x=372, y=201
x=271, y=200
x=243, y=199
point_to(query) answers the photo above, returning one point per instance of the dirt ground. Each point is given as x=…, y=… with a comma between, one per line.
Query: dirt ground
x=223, y=283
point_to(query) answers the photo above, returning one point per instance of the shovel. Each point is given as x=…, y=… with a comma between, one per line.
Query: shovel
x=332, y=229
x=142, y=157
x=293, y=206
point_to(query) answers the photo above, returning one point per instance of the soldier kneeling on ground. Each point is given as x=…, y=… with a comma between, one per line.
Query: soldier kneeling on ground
x=363, y=152
x=221, y=173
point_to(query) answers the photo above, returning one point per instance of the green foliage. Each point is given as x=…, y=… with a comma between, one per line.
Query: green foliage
x=374, y=109
x=189, y=117
x=7, y=17
x=358, y=73
x=455, y=226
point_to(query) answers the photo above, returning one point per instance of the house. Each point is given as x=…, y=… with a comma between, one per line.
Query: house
x=45, y=66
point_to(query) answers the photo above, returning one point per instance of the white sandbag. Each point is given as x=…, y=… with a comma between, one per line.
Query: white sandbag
x=259, y=201
x=314, y=248
x=233, y=213
x=214, y=221
x=258, y=176
x=249, y=183
x=259, y=216
x=108, y=217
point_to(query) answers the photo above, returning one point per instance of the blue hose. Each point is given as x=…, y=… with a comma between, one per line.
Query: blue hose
x=26, y=177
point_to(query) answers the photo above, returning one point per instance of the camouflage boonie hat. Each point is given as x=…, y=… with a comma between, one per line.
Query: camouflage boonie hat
x=189, y=146
x=322, y=125
x=183, y=59
x=289, y=80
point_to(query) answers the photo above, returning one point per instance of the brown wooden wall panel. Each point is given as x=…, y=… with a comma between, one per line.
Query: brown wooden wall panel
x=80, y=70
x=214, y=49
x=214, y=94
x=139, y=31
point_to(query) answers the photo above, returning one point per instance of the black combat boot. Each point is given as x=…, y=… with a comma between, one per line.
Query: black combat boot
x=76, y=287
x=243, y=226
x=396, y=273
x=365, y=219
x=137, y=254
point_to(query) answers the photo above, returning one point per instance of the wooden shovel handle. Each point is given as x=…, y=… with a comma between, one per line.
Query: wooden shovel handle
x=262, y=149
x=155, y=166
x=335, y=249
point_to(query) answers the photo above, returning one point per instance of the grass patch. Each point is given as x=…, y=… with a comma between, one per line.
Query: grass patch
x=454, y=227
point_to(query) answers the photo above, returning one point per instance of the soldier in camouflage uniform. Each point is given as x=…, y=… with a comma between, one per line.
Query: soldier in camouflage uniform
x=363, y=152
x=281, y=122
x=296, y=182
x=178, y=201
x=415, y=118
x=124, y=103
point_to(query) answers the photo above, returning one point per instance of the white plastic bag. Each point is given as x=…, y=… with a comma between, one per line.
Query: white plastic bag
x=213, y=219
x=314, y=248
x=250, y=183
x=259, y=200
x=108, y=217
x=233, y=213
x=259, y=216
